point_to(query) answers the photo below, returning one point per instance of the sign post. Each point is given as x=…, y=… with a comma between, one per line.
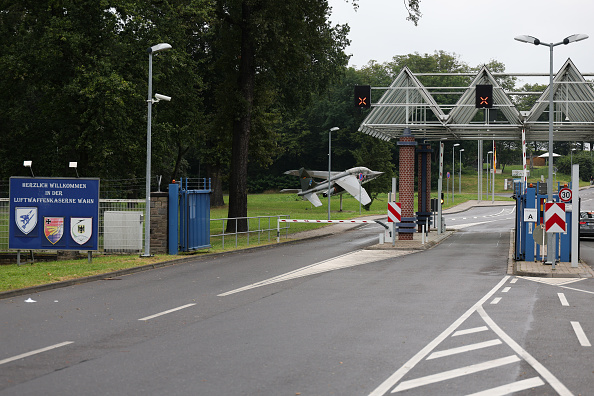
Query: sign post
x=575, y=214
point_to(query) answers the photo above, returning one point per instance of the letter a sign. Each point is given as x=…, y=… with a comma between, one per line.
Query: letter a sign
x=555, y=217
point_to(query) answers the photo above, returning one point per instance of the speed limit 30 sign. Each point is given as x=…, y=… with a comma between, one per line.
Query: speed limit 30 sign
x=565, y=194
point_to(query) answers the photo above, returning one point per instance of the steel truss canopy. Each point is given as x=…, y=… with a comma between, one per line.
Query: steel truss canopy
x=406, y=103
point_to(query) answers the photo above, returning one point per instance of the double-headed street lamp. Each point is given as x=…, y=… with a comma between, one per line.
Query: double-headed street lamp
x=147, y=210
x=551, y=248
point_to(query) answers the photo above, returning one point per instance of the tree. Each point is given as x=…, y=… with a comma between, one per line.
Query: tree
x=278, y=48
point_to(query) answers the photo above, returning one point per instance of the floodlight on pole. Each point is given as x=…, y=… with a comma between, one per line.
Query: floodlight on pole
x=28, y=164
x=75, y=166
x=551, y=247
x=333, y=129
x=147, y=210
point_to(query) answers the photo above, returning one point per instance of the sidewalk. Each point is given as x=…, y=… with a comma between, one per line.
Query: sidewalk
x=562, y=270
x=473, y=203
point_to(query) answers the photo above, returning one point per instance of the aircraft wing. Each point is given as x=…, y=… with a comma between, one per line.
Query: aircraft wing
x=351, y=185
x=311, y=173
x=313, y=198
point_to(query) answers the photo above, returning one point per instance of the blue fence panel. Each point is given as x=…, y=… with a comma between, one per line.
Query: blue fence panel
x=189, y=215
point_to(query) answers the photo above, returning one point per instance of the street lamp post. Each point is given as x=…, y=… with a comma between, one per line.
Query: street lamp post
x=453, y=170
x=551, y=248
x=572, y=150
x=333, y=129
x=489, y=171
x=147, y=210
x=460, y=174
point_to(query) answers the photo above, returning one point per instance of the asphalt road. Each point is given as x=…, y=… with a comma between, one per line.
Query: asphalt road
x=321, y=317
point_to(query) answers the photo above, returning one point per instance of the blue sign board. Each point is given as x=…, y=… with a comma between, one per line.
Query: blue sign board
x=53, y=213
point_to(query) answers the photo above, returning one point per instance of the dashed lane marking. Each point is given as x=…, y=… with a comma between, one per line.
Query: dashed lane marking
x=579, y=332
x=35, y=352
x=563, y=299
x=167, y=312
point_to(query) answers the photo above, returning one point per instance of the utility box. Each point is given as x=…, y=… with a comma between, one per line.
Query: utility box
x=122, y=231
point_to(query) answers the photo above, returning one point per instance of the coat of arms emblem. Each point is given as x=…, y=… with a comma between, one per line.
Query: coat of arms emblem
x=26, y=219
x=81, y=229
x=53, y=228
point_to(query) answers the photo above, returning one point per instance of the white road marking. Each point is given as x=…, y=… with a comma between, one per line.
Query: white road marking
x=579, y=332
x=477, y=307
x=502, y=212
x=401, y=372
x=514, y=280
x=511, y=388
x=35, y=352
x=461, y=226
x=496, y=300
x=475, y=368
x=462, y=349
x=505, y=290
x=552, y=281
x=563, y=299
x=470, y=331
x=166, y=312
x=345, y=261
x=542, y=370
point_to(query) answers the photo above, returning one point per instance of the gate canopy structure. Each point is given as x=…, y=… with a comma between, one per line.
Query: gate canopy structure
x=409, y=104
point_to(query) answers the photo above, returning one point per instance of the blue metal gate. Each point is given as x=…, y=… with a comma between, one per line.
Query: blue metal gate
x=189, y=215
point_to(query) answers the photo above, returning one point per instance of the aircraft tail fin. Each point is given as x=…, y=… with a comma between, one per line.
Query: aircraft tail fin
x=313, y=198
x=307, y=180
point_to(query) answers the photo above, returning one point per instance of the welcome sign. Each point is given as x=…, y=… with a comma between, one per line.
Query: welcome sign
x=54, y=213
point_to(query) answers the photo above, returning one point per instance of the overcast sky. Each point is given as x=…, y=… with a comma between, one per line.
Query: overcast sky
x=477, y=31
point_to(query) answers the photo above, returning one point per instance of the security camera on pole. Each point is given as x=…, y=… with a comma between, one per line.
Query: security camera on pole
x=150, y=101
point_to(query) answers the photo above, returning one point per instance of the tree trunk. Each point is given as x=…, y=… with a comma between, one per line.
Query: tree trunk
x=242, y=128
x=216, y=197
x=180, y=155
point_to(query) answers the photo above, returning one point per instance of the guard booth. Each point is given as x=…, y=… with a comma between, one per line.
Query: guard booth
x=530, y=236
x=189, y=215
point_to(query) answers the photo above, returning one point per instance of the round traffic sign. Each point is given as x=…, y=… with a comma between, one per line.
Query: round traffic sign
x=565, y=194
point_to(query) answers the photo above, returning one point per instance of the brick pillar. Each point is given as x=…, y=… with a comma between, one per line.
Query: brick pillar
x=407, y=181
x=424, y=183
x=159, y=222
